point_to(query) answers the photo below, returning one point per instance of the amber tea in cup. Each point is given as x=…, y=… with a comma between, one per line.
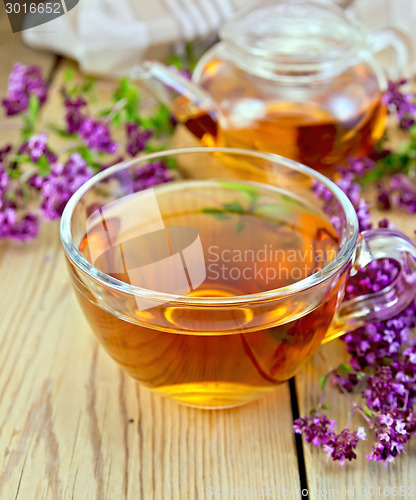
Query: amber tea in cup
x=254, y=240
x=213, y=291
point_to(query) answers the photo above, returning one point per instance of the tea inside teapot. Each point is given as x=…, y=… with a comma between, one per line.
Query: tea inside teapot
x=297, y=78
x=345, y=117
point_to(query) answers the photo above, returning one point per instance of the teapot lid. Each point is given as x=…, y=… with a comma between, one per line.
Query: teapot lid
x=294, y=33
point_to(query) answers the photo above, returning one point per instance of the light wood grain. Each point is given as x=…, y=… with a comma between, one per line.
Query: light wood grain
x=66, y=408
x=73, y=426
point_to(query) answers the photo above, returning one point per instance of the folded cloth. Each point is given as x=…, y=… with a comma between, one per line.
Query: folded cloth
x=112, y=36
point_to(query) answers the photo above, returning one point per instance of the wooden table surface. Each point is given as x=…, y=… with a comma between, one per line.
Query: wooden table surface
x=73, y=426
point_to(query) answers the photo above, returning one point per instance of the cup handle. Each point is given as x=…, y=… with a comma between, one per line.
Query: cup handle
x=399, y=43
x=386, y=303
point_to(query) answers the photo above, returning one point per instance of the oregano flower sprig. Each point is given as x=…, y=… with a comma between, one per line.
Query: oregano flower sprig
x=36, y=180
x=380, y=379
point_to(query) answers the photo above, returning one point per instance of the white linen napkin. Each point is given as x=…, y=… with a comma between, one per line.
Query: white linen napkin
x=110, y=37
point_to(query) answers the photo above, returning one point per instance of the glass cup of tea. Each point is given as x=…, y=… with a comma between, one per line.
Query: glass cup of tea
x=214, y=288
x=301, y=78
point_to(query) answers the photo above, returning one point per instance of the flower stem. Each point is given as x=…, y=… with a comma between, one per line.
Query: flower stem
x=116, y=109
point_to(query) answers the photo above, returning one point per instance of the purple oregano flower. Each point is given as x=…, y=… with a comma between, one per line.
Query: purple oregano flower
x=64, y=180
x=24, y=81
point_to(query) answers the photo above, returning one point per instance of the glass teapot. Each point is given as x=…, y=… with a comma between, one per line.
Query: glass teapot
x=297, y=78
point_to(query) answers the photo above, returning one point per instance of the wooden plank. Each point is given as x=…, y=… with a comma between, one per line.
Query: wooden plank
x=357, y=476
x=66, y=408
x=73, y=426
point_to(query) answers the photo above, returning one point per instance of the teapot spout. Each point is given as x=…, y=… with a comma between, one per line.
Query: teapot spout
x=189, y=104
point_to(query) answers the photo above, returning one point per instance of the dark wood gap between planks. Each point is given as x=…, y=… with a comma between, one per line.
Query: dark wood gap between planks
x=55, y=66
x=298, y=440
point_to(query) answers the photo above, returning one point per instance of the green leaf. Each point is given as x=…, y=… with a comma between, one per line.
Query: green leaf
x=345, y=368
x=234, y=207
x=25, y=191
x=288, y=199
x=13, y=173
x=104, y=111
x=367, y=412
x=396, y=162
x=60, y=130
x=24, y=158
x=30, y=117
x=145, y=122
x=251, y=191
x=85, y=87
x=161, y=121
x=191, y=55
x=216, y=212
x=130, y=92
x=239, y=226
x=69, y=75
x=74, y=91
x=88, y=85
x=117, y=120
x=174, y=60
x=11, y=195
x=89, y=156
x=171, y=162
x=151, y=147
x=323, y=381
x=386, y=360
x=43, y=166
x=96, y=167
x=187, y=59
x=325, y=406
x=33, y=108
x=271, y=211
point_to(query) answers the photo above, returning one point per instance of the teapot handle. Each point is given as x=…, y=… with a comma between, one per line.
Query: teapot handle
x=167, y=85
x=390, y=38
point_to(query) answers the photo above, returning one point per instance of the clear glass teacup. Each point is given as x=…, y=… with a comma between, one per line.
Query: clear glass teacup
x=214, y=288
